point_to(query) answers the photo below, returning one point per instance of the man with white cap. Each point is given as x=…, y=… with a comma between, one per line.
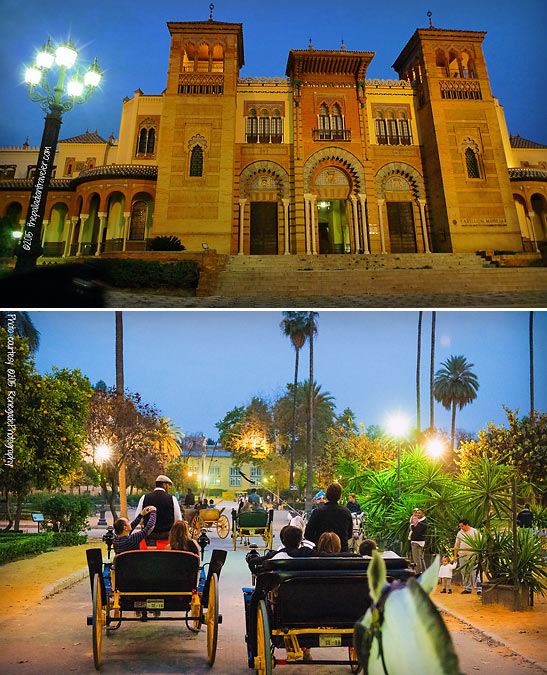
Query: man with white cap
x=167, y=508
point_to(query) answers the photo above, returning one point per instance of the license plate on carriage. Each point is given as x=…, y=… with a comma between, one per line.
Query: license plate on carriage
x=330, y=640
x=148, y=604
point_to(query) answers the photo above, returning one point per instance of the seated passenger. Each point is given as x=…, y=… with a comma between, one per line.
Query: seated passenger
x=180, y=540
x=328, y=544
x=127, y=540
x=291, y=540
x=353, y=505
x=298, y=521
x=369, y=545
x=211, y=504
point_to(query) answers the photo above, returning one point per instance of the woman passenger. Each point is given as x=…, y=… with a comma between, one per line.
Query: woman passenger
x=328, y=544
x=180, y=540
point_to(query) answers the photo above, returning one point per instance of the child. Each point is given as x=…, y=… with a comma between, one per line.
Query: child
x=445, y=573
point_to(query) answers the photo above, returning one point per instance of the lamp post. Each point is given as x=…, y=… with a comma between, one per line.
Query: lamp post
x=55, y=102
x=398, y=426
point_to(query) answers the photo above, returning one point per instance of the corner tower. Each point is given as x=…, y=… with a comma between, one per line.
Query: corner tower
x=470, y=200
x=196, y=145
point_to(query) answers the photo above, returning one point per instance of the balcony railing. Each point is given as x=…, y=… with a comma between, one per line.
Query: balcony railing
x=332, y=134
x=264, y=138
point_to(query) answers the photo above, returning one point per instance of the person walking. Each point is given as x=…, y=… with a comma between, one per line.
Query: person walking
x=331, y=517
x=525, y=518
x=461, y=556
x=167, y=508
x=417, y=541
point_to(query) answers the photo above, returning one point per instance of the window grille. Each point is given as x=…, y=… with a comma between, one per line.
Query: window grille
x=141, y=148
x=137, y=228
x=214, y=476
x=235, y=478
x=151, y=143
x=276, y=127
x=472, y=164
x=196, y=161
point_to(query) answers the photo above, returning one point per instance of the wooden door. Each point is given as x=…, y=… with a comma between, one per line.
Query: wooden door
x=401, y=227
x=263, y=228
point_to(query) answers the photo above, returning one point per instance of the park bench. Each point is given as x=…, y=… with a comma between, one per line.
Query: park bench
x=154, y=581
x=302, y=603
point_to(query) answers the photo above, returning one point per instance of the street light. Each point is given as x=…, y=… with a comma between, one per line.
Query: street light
x=55, y=102
x=435, y=447
x=102, y=453
x=398, y=426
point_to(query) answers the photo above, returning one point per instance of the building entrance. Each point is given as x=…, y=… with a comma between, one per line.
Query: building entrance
x=263, y=228
x=402, y=234
x=333, y=224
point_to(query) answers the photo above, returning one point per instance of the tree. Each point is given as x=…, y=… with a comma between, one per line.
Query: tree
x=274, y=472
x=531, y=340
x=247, y=433
x=455, y=386
x=120, y=387
x=311, y=330
x=125, y=425
x=418, y=362
x=42, y=419
x=294, y=325
x=20, y=324
x=168, y=439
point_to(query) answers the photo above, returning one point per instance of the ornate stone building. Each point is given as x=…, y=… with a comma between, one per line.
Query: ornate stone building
x=321, y=161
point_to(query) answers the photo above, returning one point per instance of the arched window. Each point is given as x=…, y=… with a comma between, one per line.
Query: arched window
x=151, y=143
x=196, y=161
x=472, y=164
x=141, y=146
x=188, y=58
x=252, y=127
x=276, y=127
x=203, y=58
x=324, y=123
x=264, y=127
x=404, y=129
x=381, y=131
x=337, y=123
x=472, y=69
x=440, y=59
x=453, y=65
x=137, y=228
x=217, y=63
x=392, y=130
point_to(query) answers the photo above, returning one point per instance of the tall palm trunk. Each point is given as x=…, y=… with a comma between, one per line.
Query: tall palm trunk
x=418, y=363
x=531, y=337
x=453, y=428
x=309, y=472
x=432, y=372
x=120, y=387
x=293, y=440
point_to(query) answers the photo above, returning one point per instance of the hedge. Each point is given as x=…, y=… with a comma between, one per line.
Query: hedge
x=128, y=273
x=16, y=545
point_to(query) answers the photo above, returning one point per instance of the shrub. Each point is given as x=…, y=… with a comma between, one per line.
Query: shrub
x=127, y=273
x=171, y=243
x=67, y=513
x=68, y=539
x=19, y=545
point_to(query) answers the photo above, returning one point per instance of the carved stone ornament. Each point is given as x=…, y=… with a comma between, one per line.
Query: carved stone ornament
x=397, y=184
x=332, y=177
x=198, y=139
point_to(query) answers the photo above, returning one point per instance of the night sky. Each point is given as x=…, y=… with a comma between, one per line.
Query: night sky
x=196, y=365
x=131, y=41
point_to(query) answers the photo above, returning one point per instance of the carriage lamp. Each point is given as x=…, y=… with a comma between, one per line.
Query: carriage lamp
x=108, y=538
x=203, y=541
x=55, y=100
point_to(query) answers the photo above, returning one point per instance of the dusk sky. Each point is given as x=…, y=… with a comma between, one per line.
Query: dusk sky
x=196, y=365
x=131, y=41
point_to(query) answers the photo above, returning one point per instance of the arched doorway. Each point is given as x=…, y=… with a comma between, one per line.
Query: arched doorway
x=332, y=188
x=54, y=234
x=539, y=216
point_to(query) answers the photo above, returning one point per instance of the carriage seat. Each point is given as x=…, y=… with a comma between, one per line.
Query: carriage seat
x=156, y=571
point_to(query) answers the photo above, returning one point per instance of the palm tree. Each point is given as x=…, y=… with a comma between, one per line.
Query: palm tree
x=455, y=386
x=431, y=372
x=418, y=361
x=293, y=326
x=168, y=439
x=311, y=330
x=23, y=328
x=531, y=337
x=120, y=386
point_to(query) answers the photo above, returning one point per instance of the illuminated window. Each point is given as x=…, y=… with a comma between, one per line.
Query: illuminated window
x=381, y=131
x=214, y=476
x=276, y=127
x=392, y=131
x=264, y=127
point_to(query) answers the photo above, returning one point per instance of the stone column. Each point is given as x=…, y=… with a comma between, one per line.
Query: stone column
x=102, y=224
x=83, y=220
x=125, y=233
x=242, y=203
x=421, y=204
x=363, y=200
x=286, y=221
x=531, y=215
x=355, y=222
x=313, y=223
x=45, y=223
x=307, y=198
x=381, y=224
x=71, y=222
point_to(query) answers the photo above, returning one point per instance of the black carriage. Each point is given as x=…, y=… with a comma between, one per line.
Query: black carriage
x=145, y=585
x=303, y=603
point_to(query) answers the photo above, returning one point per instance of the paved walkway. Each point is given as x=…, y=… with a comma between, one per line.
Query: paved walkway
x=424, y=301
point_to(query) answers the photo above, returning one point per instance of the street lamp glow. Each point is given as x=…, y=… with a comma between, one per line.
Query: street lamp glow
x=102, y=453
x=435, y=447
x=16, y=234
x=75, y=87
x=398, y=425
x=33, y=76
x=66, y=55
x=46, y=56
x=93, y=75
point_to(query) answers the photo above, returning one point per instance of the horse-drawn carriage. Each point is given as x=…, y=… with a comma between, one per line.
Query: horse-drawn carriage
x=198, y=519
x=149, y=583
x=303, y=603
x=249, y=524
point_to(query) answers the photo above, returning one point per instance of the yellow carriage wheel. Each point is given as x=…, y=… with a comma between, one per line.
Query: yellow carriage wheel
x=212, y=620
x=196, y=525
x=99, y=621
x=223, y=527
x=263, y=658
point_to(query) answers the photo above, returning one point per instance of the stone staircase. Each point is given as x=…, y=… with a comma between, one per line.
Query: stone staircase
x=365, y=274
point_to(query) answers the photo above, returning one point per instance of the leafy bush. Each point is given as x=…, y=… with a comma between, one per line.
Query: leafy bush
x=67, y=513
x=171, y=243
x=540, y=516
x=19, y=545
x=68, y=538
x=127, y=273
